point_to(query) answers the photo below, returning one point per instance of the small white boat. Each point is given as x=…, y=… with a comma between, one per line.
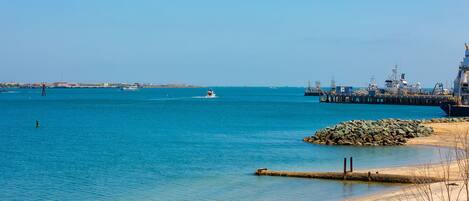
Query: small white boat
x=130, y=88
x=211, y=94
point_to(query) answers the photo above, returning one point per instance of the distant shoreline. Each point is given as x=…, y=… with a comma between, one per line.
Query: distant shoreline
x=163, y=86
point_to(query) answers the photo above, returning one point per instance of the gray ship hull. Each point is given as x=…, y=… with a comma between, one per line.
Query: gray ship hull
x=452, y=109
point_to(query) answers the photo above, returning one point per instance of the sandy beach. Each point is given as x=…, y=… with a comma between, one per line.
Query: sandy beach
x=445, y=135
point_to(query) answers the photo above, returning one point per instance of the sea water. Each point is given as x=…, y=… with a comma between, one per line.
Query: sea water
x=174, y=144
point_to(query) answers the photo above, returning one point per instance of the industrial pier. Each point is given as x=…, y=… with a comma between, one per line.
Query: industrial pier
x=428, y=100
x=397, y=91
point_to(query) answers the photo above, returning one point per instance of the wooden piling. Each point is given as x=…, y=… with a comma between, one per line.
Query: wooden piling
x=345, y=166
x=351, y=164
x=43, y=93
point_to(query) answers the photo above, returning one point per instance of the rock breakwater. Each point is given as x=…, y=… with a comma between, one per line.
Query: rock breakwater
x=386, y=132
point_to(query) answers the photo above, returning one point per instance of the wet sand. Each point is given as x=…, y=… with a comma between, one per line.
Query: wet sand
x=445, y=135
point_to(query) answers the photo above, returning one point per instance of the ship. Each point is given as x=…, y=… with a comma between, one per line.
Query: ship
x=130, y=88
x=373, y=88
x=211, y=94
x=397, y=84
x=454, y=109
x=460, y=106
x=314, y=91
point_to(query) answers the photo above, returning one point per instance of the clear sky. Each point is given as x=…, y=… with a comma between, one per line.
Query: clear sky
x=237, y=42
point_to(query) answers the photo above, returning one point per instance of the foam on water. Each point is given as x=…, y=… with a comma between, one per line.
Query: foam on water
x=204, y=97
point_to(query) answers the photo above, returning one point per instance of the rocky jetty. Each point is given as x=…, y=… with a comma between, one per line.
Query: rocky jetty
x=386, y=132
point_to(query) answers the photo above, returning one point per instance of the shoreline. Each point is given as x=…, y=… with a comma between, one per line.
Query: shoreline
x=445, y=135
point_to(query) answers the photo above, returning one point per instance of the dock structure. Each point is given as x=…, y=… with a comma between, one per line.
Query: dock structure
x=352, y=176
x=424, y=100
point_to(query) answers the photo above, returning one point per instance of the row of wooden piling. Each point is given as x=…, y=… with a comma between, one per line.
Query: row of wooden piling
x=429, y=100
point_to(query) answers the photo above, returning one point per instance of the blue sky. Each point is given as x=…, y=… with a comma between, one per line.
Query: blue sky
x=242, y=42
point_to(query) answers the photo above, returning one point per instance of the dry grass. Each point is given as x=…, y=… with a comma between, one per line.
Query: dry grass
x=453, y=168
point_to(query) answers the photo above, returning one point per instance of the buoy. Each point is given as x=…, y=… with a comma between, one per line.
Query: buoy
x=43, y=93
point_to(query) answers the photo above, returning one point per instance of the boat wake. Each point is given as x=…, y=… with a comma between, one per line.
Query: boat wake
x=205, y=97
x=167, y=99
x=182, y=98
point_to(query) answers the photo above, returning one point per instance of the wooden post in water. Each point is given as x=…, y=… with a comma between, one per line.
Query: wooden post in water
x=345, y=166
x=43, y=89
x=351, y=164
x=345, y=169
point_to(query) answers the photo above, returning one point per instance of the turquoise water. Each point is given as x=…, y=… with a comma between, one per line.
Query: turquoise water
x=173, y=144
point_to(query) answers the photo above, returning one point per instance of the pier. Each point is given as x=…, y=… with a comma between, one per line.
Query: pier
x=352, y=176
x=424, y=100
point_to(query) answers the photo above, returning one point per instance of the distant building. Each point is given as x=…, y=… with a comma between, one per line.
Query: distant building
x=344, y=90
x=60, y=85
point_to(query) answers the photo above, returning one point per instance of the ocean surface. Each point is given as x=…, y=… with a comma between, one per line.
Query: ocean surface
x=174, y=144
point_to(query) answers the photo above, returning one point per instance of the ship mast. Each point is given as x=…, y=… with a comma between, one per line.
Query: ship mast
x=394, y=72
